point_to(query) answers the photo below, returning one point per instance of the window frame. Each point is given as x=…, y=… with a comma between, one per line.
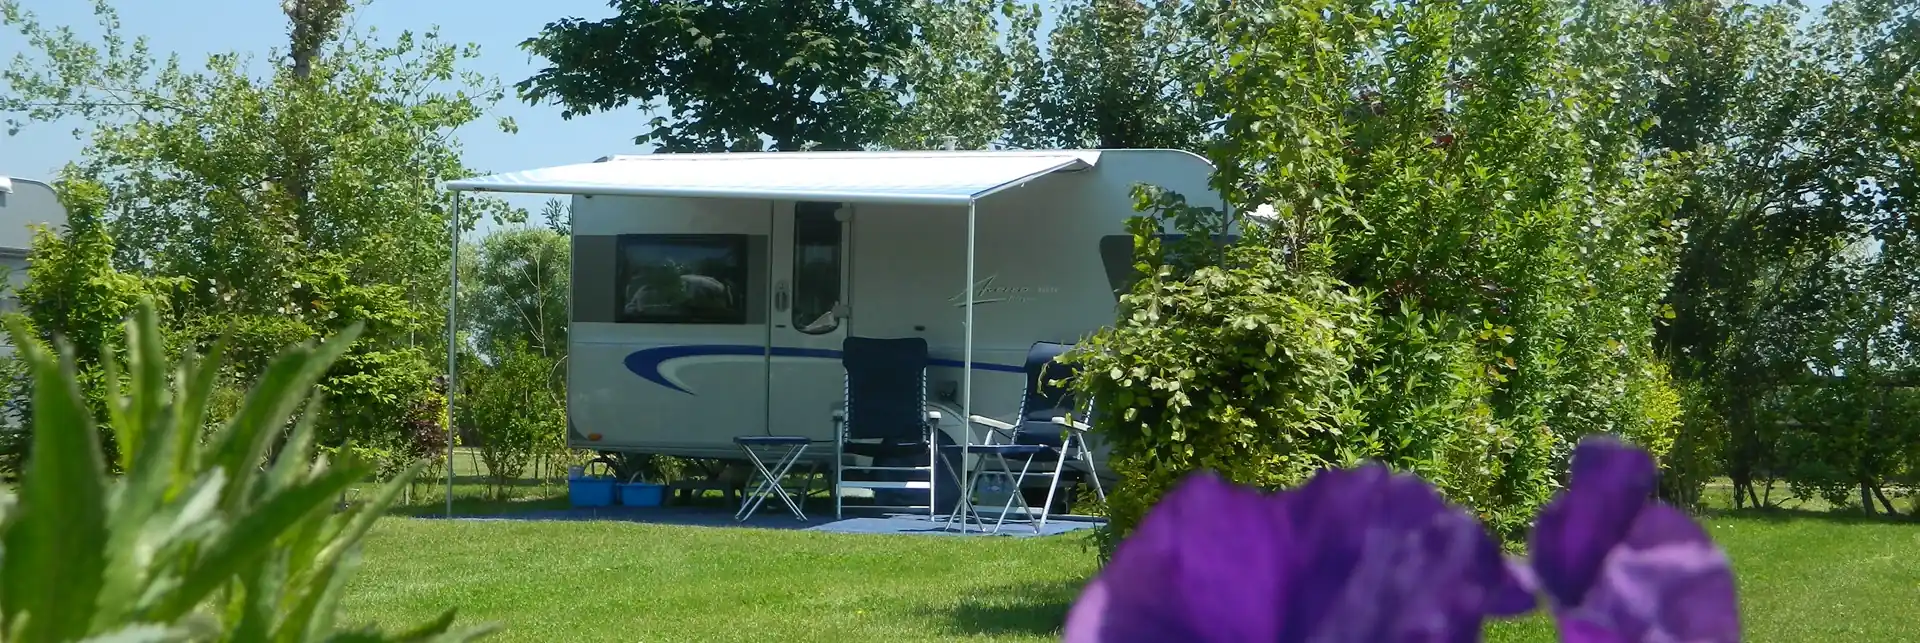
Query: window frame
x=797, y=276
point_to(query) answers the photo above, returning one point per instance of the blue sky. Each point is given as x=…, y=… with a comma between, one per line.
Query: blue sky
x=196, y=28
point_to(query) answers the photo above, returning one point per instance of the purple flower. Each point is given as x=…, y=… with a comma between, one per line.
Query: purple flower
x=1620, y=566
x=1354, y=555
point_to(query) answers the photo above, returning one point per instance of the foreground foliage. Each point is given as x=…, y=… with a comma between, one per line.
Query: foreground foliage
x=232, y=539
x=1364, y=555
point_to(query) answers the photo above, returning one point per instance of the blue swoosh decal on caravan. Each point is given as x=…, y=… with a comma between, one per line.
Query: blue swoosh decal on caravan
x=650, y=363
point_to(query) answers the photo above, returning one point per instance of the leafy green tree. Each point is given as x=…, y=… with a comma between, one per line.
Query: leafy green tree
x=233, y=539
x=1803, y=137
x=952, y=85
x=1116, y=74
x=558, y=216
x=521, y=290
x=295, y=204
x=740, y=75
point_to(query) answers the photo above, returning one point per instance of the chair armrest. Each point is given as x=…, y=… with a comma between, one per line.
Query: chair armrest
x=990, y=422
x=1072, y=424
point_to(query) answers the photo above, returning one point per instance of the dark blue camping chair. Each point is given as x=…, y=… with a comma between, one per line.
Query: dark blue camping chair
x=886, y=419
x=1049, y=429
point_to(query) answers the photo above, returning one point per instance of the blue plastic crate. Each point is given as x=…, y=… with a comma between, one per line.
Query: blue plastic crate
x=641, y=494
x=590, y=492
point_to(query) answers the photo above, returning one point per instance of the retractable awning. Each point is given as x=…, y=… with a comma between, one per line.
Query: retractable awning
x=926, y=178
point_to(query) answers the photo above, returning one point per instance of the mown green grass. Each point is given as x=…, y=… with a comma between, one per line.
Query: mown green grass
x=1802, y=577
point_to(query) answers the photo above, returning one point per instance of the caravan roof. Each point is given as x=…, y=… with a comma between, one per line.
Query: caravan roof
x=926, y=178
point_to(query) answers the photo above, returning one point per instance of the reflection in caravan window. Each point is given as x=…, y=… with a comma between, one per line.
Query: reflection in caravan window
x=682, y=279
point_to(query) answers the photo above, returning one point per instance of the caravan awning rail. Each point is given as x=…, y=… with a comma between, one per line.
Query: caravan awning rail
x=919, y=178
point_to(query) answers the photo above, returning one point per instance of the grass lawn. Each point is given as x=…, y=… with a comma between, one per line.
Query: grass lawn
x=1803, y=577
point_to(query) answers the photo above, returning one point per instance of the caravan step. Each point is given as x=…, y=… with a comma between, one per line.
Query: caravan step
x=885, y=484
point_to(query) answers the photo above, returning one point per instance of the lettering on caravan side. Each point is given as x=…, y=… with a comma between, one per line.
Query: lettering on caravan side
x=987, y=293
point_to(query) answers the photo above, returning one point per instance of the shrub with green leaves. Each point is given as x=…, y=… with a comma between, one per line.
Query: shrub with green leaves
x=233, y=539
x=514, y=411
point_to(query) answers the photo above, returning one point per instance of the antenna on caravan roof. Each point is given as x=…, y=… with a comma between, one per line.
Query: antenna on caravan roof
x=953, y=142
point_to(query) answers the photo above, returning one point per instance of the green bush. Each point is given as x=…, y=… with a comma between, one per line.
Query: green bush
x=233, y=539
x=1242, y=368
x=74, y=293
x=514, y=411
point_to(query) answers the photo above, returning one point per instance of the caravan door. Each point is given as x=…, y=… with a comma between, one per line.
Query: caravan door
x=808, y=259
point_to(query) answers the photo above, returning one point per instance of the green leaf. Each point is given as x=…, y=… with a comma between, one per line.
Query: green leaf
x=256, y=533
x=146, y=434
x=363, y=518
x=144, y=633
x=55, y=567
x=268, y=406
x=197, y=379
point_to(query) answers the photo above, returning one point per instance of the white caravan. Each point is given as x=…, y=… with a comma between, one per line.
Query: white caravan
x=712, y=292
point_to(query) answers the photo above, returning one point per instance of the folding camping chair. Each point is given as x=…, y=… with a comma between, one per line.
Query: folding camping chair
x=886, y=419
x=786, y=451
x=1046, y=428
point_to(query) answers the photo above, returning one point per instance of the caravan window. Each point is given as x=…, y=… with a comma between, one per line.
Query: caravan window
x=681, y=279
x=816, y=267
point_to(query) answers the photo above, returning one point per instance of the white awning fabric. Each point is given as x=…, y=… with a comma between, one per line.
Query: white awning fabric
x=928, y=178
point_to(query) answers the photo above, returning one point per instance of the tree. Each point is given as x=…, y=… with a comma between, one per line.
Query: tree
x=1803, y=137
x=558, y=216
x=738, y=75
x=1117, y=74
x=295, y=204
x=953, y=84
x=521, y=290
x=74, y=296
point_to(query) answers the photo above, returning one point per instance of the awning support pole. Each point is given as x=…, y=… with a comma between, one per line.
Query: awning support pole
x=966, y=373
x=453, y=333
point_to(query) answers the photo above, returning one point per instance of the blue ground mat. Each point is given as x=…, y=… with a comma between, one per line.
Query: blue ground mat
x=765, y=519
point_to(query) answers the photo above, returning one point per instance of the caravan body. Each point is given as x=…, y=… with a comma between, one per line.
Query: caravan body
x=695, y=320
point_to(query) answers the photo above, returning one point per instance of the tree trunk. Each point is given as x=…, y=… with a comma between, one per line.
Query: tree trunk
x=1866, y=498
x=1884, y=502
x=314, y=23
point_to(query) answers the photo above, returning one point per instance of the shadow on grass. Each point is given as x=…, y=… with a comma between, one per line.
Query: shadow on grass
x=1033, y=609
x=1779, y=515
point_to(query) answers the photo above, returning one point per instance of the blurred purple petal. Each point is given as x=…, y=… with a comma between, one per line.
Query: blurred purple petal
x=1354, y=555
x=1623, y=567
x=1611, y=483
x=1203, y=565
x=1518, y=591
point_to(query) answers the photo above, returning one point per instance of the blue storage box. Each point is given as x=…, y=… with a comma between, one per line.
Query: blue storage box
x=641, y=494
x=590, y=492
